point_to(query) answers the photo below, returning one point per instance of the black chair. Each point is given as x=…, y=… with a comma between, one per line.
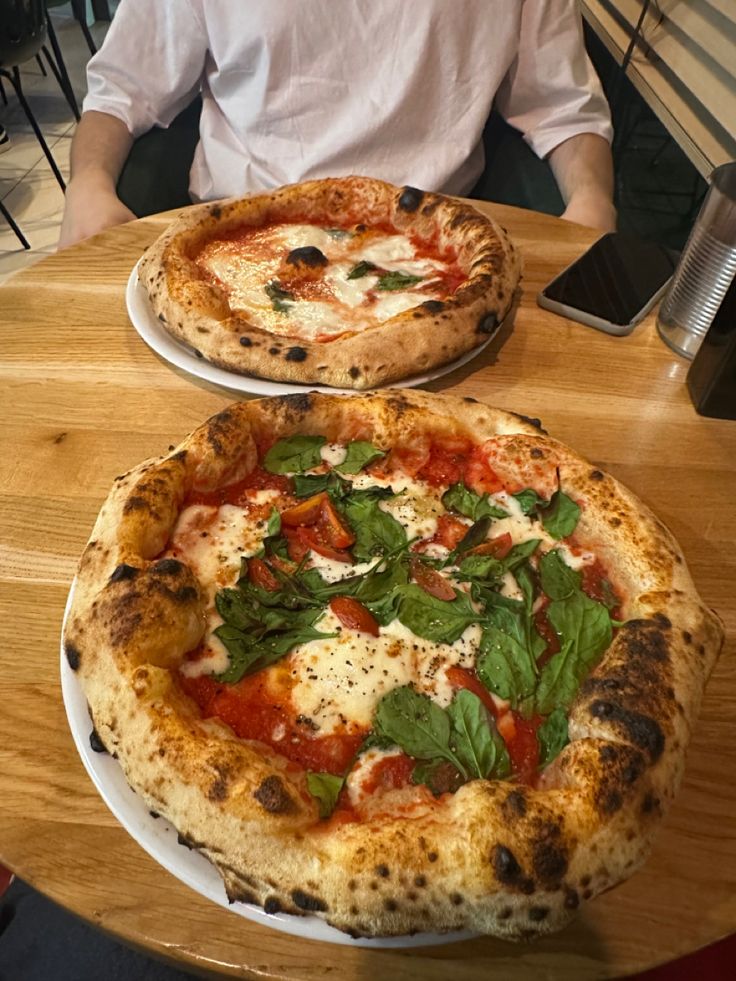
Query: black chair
x=22, y=36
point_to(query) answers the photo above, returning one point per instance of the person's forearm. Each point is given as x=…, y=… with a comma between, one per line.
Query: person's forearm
x=99, y=149
x=583, y=169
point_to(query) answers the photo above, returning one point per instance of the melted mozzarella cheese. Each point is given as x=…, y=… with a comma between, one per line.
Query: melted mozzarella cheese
x=347, y=304
x=342, y=679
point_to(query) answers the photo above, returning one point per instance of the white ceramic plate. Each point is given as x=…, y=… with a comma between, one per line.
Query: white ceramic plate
x=158, y=338
x=159, y=838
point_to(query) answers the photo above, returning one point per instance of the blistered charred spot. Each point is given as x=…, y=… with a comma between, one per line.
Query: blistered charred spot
x=410, y=198
x=537, y=423
x=135, y=503
x=300, y=403
x=642, y=730
x=216, y=212
x=354, y=371
x=272, y=905
x=274, y=797
x=296, y=354
x=307, y=255
x=515, y=805
x=662, y=621
x=538, y=913
x=217, y=428
x=124, y=572
x=508, y=871
x=383, y=871
x=430, y=208
x=536, y=453
x=572, y=900
x=687, y=636
x=307, y=902
x=180, y=457
x=390, y=905
x=73, y=656
x=468, y=398
x=487, y=323
x=168, y=567
x=274, y=350
x=245, y=341
x=96, y=744
x=549, y=855
x=420, y=881
x=218, y=790
x=650, y=804
x=433, y=306
x=596, y=475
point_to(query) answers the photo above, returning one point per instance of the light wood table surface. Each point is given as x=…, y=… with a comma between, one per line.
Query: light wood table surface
x=84, y=399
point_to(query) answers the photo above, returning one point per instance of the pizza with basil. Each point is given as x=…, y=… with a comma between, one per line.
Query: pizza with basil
x=349, y=282
x=398, y=660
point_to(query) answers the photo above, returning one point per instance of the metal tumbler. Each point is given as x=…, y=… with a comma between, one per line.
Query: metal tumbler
x=705, y=270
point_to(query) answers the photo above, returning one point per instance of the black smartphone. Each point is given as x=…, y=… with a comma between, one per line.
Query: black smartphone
x=613, y=285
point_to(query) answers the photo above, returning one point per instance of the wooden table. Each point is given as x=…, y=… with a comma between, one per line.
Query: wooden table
x=84, y=399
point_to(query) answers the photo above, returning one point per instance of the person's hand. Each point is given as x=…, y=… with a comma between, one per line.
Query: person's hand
x=592, y=210
x=90, y=207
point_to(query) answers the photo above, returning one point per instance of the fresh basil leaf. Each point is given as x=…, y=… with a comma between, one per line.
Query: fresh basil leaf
x=442, y=621
x=585, y=632
x=525, y=581
x=508, y=651
x=294, y=454
x=529, y=500
x=552, y=736
x=274, y=523
x=278, y=295
x=559, y=580
x=561, y=516
x=362, y=269
x=610, y=599
x=235, y=610
x=439, y=775
x=307, y=485
x=490, y=599
x=325, y=787
x=243, y=650
x=463, y=500
x=481, y=567
x=474, y=536
x=472, y=734
x=376, y=531
x=417, y=725
x=520, y=553
x=396, y=280
x=359, y=454
x=380, y=581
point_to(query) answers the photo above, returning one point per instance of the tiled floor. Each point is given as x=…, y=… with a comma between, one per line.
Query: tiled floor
x=28, y=188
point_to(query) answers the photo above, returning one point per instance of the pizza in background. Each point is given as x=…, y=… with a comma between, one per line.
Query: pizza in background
x=401, y=661
x=349, y=282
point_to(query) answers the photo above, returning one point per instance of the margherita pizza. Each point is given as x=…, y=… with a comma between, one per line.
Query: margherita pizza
x=349, y=283
x=398, y=660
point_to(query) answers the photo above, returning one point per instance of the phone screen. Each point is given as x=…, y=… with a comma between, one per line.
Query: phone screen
x=615, y=278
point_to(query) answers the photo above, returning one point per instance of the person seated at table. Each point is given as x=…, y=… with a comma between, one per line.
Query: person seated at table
x=386, y=88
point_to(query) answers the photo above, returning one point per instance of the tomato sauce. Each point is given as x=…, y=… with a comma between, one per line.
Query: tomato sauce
x=257, y=479
x=256, y=709
x=390, y=773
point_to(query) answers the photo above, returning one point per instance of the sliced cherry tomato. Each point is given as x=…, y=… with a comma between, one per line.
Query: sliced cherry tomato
x=447, y=461
x=333, y=528
x=311, y=538
x=411, y=456
x=462, y=678
x=450, y=531
x=297, y=548
x=260, y=575
x=390, y=773
x=524, y=748
x=431, y=581
x=499, y=547
x=306, y=512
x=354, y=615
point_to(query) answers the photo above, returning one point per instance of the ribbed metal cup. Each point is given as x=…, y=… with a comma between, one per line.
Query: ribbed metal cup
x=705, y=270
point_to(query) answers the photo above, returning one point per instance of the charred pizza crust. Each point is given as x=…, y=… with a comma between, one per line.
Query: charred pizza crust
x=196, y=311
x=496, y=857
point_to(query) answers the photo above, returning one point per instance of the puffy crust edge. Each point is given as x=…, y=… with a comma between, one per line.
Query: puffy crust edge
x=495, y=857
x=198, y=314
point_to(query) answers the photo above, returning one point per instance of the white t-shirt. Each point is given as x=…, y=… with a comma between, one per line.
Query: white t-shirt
x=394, y=89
